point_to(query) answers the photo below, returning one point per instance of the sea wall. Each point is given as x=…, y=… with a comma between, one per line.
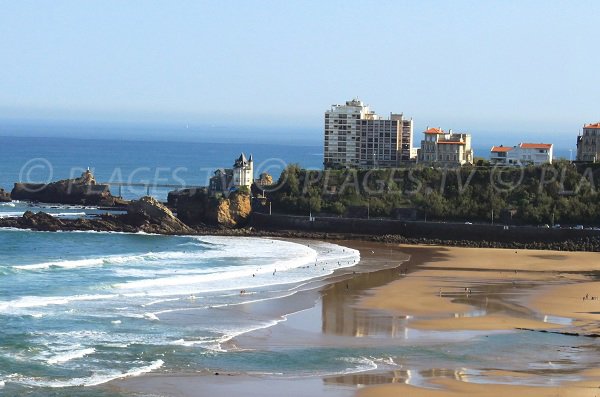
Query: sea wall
x=428, y=231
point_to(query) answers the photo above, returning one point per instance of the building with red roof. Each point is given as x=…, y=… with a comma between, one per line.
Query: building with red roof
x=588, y=143
x=523, y=153
x=446, y=149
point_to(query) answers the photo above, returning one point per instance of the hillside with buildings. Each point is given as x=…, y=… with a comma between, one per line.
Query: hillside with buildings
x=357, y=137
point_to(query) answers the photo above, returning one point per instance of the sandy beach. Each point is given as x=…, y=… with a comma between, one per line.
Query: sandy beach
x=389, y=300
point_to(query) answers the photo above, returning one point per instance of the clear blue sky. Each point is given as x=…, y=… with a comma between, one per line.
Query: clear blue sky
x=482, y=66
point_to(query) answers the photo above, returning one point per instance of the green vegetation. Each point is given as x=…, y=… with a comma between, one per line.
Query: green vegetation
x=558, y=193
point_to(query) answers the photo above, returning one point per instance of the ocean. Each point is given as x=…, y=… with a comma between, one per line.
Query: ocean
x=79, y=309
x=26, y=159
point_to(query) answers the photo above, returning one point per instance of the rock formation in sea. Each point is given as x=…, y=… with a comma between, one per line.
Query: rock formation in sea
x=82, y=191
x=143, y=215
x=149, y=215
x=4, y=196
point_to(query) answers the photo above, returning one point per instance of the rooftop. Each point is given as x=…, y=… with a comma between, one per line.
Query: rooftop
x=433, y=130
x=501, y=149
x=535, y=145
x=594, y=125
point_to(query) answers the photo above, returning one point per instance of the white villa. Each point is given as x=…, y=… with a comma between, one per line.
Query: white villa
x=225, y=180
x=523, y=153
x=243, y=171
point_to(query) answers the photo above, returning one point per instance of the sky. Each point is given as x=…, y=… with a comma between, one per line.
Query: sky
x=502, y=70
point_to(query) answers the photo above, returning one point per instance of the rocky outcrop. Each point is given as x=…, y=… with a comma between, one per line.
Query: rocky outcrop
x=144, y=215
x=149, y=215
x=41, y=221
x=240, y=208
x=196, y=207
x=83, y=191
x=4, y=196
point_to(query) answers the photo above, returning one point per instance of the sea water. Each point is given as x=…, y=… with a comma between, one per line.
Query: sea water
x=179, y=164
x=79, y=309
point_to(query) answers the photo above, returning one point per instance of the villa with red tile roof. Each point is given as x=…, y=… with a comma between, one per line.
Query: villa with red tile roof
x=445, y=149
x=588, y=143
x=523, y=153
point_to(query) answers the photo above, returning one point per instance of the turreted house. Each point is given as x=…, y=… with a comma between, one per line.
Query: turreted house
x=243, y=172
x=225, y=180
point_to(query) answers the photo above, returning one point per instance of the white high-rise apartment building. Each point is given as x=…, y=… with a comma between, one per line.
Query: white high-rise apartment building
x=357, y=137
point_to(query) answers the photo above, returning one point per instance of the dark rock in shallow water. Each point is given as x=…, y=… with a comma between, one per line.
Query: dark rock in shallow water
x=41, y=221
x=83, y=190
x=4, y=196
x=144, y=215
x=149, y=215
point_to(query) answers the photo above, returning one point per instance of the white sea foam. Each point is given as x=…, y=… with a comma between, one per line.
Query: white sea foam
x=276, y=262
x=11, y=214
x=362, y=364
x=66, y=214
x=64, y=264
x=94, y=380
x=159, y=257
x=151, y=316
x=42, y=301
x=9, y=204
x=70, y=355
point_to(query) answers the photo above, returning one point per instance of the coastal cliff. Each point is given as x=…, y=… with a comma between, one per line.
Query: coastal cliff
x=196, y=207
x=80, y=191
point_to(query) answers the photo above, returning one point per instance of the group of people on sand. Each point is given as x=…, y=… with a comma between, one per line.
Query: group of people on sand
x=588, y=297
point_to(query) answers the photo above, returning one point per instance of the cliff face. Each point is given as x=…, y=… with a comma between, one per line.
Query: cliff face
x=240, y=208
x=83, y=191
x=196, y=207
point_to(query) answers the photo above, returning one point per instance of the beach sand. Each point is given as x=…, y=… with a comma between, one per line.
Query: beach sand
x=438, y=289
